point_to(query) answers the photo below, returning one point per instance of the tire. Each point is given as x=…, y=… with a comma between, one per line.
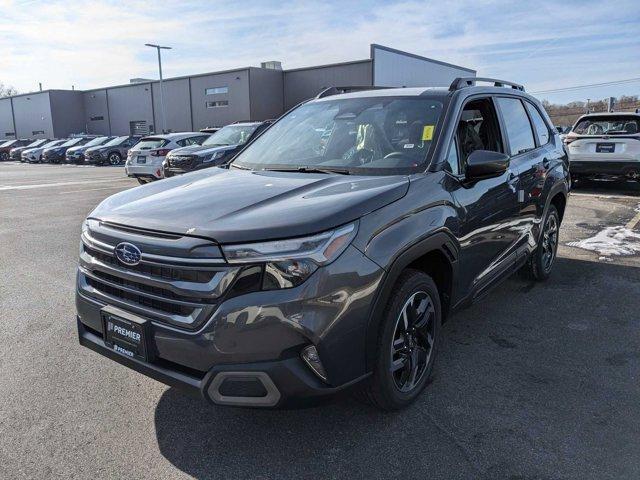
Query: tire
x=4, y=156
x=539, y=265
x=632, y=174
x=399, y=348
x=142, y=180
x=114, y=158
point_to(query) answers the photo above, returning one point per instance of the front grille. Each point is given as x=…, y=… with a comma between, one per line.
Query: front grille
x=168, y=289
x=140, y=299
x=181, y=161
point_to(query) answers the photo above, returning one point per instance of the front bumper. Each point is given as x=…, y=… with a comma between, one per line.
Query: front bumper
x=261, y=331
x=288, y=381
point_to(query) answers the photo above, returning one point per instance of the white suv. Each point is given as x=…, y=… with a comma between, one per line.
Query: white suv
x=605, y=144
x=144, y=160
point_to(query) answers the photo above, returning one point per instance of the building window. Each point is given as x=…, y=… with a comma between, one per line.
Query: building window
x=10, y=134
x=37, y=132
x=219, y=103
x=97, y=118
x=215, y=90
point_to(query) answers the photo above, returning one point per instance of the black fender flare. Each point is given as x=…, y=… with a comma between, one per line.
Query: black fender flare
x=442, y=241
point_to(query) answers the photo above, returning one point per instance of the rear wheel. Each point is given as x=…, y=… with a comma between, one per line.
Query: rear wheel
x=407, y=343
x=142, y=180
x=4, y=156
x=632, y=174
x=114, y=158
x=542, y=259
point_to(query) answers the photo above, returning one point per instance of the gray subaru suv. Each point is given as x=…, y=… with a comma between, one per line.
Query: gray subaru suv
x=326, y=255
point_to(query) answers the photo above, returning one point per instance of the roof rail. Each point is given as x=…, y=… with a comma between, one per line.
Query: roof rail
x=462, y=82
x=328, y=91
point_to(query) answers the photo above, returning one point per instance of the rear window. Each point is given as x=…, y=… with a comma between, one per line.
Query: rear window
x=516, y=122
x=149, y=143
x=609, y=125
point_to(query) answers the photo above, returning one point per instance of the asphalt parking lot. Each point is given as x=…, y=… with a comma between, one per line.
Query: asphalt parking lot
x=538, y=381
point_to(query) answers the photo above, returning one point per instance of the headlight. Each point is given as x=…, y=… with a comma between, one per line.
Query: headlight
x=211, y=157
x=290, y=262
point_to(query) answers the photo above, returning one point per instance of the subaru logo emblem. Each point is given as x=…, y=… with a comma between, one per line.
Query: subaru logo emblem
x=128, y=253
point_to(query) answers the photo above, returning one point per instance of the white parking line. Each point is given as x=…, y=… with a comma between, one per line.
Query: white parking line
x=91, y=189
x=602, y=195
x=61, y=184
x=633, y=223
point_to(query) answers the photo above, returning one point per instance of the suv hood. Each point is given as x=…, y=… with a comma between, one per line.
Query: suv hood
x=200, y=149
x=232, y=206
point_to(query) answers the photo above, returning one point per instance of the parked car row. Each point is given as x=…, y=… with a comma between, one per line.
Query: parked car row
x=147, y=158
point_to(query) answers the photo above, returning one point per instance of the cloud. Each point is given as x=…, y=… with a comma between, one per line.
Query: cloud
x=545, y=45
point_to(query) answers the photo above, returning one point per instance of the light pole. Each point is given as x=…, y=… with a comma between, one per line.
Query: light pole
x=162, y=113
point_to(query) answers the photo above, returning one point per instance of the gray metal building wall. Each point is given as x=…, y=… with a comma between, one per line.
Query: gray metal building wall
x=131, y=103
x=177, y=106
x=96, y=112
x=303, y=83
x=394, y=68
x=67, y=112
x=237, y=81
x=32, y=113
x=266, y=90
x=7, y=129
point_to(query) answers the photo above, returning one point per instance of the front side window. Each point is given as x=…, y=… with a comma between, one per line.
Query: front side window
x=608, y=125
x=376, y=135
x=477, y=130
x=516, y=123
x=452, y=163
x=542, y=130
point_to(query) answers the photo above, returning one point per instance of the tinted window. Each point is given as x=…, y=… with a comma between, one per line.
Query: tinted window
x=150, y=143
x=542, y=131
x=517, y=125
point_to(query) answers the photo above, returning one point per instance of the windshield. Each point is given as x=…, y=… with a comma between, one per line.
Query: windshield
x=376, y=135
x=37, y=143
x=116, y=141
x=230, y=135
x=7, y=143
x=609, y=125
x=96, y=141
x=150, y=143
x=72, y=142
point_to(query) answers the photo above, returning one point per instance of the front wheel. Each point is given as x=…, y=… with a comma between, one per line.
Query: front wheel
x=407, y=343
x=4, y=156
x=114, y=158
x=544, y=256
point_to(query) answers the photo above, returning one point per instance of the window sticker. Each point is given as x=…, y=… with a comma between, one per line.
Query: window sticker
x=427, y=133
x=408, y=145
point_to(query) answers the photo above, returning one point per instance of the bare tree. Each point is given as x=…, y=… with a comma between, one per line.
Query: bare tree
x=7, y=90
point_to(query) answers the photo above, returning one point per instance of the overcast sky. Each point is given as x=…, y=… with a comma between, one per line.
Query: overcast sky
x=543, y=44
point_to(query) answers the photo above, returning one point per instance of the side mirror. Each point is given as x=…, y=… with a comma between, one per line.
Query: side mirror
x=486, y=164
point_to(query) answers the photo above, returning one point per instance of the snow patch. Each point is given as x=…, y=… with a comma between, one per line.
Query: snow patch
x=611, y=241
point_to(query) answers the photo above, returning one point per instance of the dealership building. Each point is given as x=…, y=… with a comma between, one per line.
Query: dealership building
x=210, y=99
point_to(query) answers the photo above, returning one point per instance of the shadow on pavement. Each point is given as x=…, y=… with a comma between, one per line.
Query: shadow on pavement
x=536, y=381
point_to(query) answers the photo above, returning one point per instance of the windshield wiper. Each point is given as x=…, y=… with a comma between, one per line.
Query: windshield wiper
x=328, y=170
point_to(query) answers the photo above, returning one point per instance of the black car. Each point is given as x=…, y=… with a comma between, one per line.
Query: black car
x=7, y=145
x=112, y=152
x=57, y=154
x=76, y=154
x=216, y=150
x=15, y=153
x=328, y=253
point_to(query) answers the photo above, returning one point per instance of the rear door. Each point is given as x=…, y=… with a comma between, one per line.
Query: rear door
x=529, y=163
